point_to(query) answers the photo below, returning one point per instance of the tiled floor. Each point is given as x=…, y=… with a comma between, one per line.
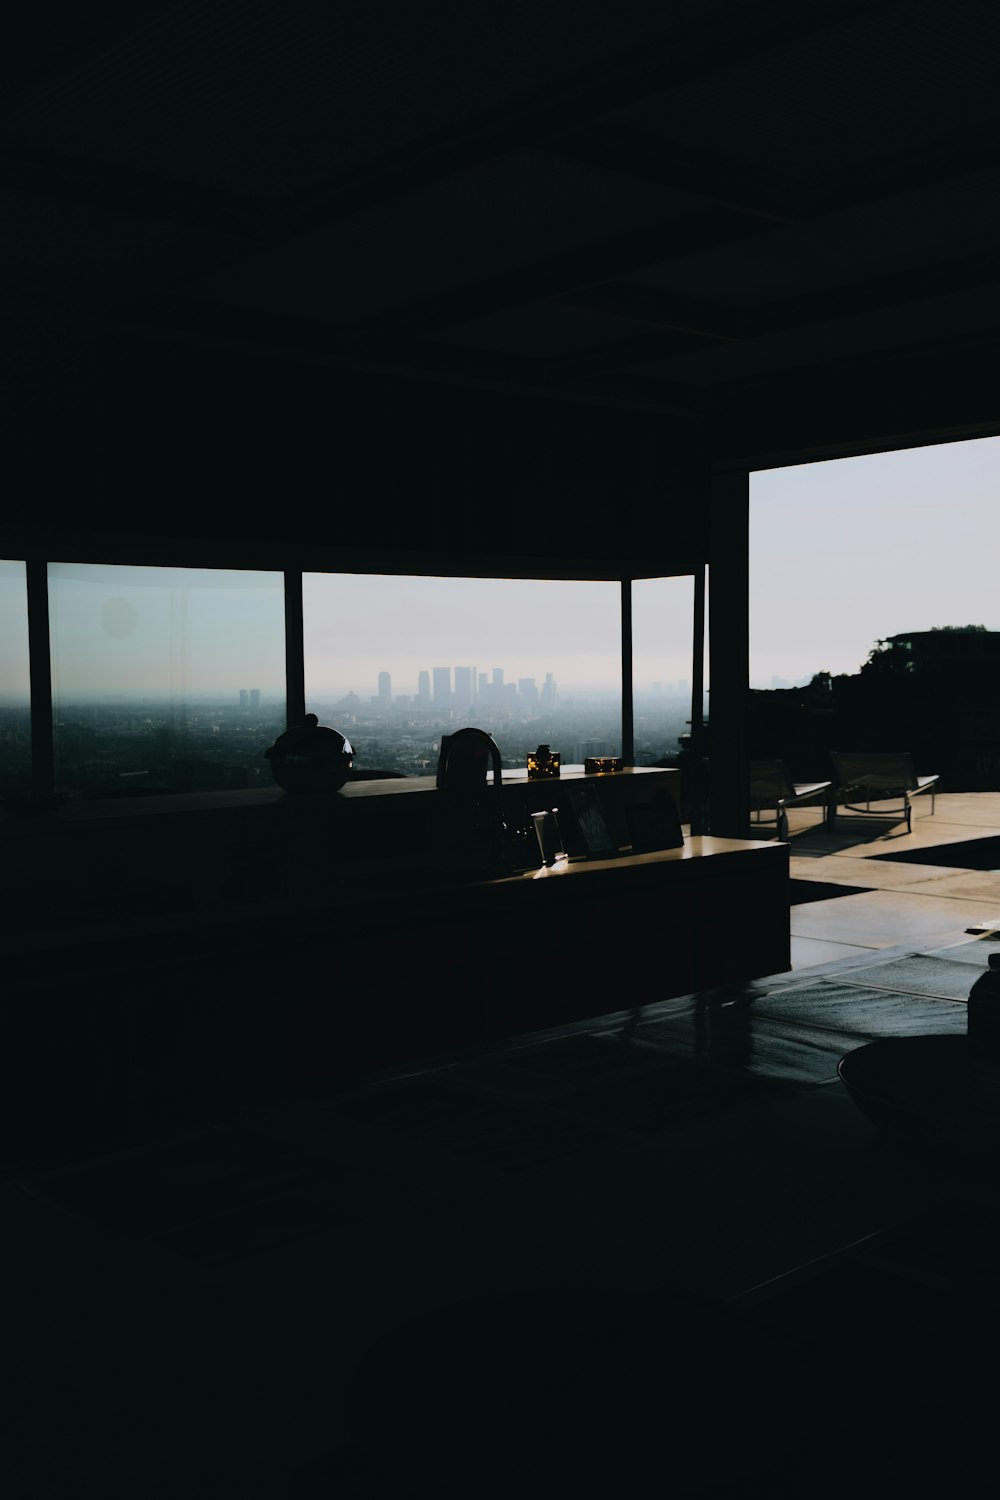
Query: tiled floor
x=660, y=1253
x=911, y=901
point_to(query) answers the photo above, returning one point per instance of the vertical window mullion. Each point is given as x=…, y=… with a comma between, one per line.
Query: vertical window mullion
x=697, y=742
x=628, y=722
x=295, y=662
x=40, y=677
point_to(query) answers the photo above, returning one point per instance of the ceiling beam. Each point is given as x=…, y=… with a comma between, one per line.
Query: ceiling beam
x=676, y=325
x=34, y=174
x=566, y=275
x=724, y=181
x=876, y=378
x=708, y=322
x=672, y=326
x=638, y=154
x=900, y=398
x=304, y=341
x=566, y=272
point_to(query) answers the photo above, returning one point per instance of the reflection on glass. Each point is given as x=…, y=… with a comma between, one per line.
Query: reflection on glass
x=395, y=662
x=662, y=610
x=164, y=679
x=15, y=689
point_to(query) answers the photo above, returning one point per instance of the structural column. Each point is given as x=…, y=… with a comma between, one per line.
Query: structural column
x=729, y=656
x=697, y=784
x=40, y=669
x=628, y=716
x=295, y=671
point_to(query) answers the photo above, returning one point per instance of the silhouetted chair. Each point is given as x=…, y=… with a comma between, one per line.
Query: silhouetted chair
x=772, y=786
x=882, y=774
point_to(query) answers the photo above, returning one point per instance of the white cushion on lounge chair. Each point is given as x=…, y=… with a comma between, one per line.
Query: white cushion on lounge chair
x=879, y=774
x=772, y=786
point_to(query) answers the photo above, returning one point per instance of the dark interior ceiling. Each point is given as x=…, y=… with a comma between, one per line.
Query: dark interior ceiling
x=781, y=221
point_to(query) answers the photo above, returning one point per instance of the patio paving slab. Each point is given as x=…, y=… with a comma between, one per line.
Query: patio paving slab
x=975, y=885
x=809, y=953
x=981, y=809
x=887, y=919
x=877, y=874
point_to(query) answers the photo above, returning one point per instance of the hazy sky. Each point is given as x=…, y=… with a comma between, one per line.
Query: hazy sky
x=848, y=552
x=357, y=626
x=165, y=631
x=142, y=631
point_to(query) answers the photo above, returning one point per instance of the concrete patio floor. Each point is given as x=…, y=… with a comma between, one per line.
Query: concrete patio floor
x=918, y=904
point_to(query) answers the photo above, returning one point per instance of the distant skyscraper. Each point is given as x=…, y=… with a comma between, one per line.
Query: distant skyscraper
x=465, y=686
x=527, y=691
x=498, y=677
x=384, y=688
x=442, y=687
x=424, y=688
x=244, y=698
x=255, y=697
x=549, y=694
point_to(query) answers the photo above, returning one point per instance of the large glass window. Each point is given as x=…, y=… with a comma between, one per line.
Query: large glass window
x=164, y=679
x=914, y=547
x=15, y=691
x=662, y=620
x=394, y=662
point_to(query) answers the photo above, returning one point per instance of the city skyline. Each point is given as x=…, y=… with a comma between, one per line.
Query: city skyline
x=493, y=688
x=253, y=698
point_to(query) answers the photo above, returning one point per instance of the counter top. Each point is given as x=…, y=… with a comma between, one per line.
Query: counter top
x=85, y=810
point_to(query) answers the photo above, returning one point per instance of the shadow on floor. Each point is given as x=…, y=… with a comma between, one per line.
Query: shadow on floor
x=974, y=854
x=802, y=891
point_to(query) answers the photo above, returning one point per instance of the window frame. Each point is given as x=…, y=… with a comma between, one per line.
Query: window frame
x=40, y=650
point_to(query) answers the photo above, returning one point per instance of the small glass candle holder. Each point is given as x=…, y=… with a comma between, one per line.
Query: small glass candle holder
x=600, y=765
x=542, y=763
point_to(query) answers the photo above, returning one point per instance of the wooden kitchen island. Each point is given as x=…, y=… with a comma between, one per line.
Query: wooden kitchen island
x=582, y=938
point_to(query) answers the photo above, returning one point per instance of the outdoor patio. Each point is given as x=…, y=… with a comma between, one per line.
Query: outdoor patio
x=921, y=890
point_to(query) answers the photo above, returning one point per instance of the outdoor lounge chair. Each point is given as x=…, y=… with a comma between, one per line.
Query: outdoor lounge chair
x=772, y=786
x=878, y=775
